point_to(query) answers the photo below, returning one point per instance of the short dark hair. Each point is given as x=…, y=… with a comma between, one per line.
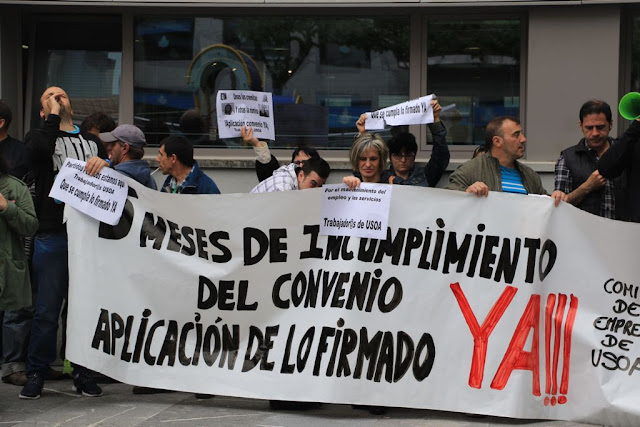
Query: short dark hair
x=192, y=122
x=403, y=140
x=311, y=152
x=98, y=120
x=595, y=106
x=136, y=153
x=317, y=165
x=494, y=128
x=181, y=147
x=5, y=113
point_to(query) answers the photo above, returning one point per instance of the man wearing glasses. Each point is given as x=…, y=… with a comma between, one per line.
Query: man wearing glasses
x=577, y=172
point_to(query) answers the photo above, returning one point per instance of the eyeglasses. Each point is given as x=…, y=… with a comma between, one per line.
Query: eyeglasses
x=299, y=163
x=410, y=156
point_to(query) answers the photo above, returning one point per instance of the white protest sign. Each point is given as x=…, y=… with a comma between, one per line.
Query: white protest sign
x=101, y=197
x=502, y=305
x=414, y=112
x=361, y=212
x=237, y=108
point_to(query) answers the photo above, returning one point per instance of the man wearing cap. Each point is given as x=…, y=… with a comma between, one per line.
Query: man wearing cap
x=126, y=155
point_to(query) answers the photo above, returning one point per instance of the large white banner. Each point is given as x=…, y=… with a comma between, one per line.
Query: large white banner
x=502, y=305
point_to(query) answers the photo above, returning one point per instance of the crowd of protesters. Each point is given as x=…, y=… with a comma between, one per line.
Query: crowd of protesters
x=598, y=175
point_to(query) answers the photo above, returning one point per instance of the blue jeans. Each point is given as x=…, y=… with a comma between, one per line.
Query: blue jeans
x=51, y=281
x=15, y=339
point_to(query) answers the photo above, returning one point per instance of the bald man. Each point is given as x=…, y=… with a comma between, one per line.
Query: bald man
x=48, y=147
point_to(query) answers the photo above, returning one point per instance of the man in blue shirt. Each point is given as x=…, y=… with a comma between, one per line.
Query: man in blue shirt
x=499, y=168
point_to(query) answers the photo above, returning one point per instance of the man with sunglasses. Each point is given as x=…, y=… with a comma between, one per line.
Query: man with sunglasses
x=577, y=173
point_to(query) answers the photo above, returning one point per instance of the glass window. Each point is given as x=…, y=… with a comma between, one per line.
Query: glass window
x=635, y=56
x=474, y=64
x=323, y=72
x=87, y=68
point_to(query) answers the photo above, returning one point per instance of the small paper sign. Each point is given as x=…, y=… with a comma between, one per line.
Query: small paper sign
x=101, y=197
x=237, y=108
x=361, y=212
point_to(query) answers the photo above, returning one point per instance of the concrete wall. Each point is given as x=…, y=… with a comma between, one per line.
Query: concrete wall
x=573, y=56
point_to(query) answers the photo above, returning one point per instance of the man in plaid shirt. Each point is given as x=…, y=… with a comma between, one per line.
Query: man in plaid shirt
x=577, y=172
x=313, y=173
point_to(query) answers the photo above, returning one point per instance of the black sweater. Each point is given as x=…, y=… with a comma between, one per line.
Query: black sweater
x=625, y=157
x=48, y=148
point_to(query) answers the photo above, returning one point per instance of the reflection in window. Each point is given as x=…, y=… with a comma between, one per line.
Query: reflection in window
x=90, y=78
x=635, y=56
x=323, y=73
x=87, y=68
x=474, y=64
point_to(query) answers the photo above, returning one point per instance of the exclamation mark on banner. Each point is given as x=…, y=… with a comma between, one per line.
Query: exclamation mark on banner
x=551, y=365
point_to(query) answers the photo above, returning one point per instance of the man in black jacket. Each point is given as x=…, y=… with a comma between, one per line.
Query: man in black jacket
x=13, y=151
x=577, y=172
x=623, y=158
x=48, y=147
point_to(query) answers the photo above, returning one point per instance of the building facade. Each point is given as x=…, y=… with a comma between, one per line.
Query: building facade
x=325, y=62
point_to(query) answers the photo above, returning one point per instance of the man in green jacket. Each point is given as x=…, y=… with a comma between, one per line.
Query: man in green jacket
x=17, y=219
x=499, y=169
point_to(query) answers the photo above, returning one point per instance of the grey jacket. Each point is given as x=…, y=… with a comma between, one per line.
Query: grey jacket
x=486, y=168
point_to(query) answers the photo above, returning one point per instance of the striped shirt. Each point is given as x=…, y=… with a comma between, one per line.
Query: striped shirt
x=511, y=181
x=283, y=179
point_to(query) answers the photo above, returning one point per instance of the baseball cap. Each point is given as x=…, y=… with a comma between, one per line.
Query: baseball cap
x=130, y=134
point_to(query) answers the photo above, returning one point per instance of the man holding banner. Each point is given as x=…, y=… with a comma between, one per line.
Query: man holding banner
x=313, y=173
x=49, y=147
x=126, y=155
x=577, y=172
x=499, y=169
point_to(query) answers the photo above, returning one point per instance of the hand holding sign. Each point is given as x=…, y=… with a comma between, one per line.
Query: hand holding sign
x=101, y=196
x=414, y=112
x=238, y=108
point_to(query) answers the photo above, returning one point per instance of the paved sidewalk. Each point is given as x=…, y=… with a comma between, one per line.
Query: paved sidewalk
x=59, y=406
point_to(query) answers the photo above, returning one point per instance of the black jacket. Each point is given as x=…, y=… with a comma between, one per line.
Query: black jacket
x=581, y=162
x=14, y=153
x=625, y=157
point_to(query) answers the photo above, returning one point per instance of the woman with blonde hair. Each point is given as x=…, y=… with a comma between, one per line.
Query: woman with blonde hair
x=368, y=155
